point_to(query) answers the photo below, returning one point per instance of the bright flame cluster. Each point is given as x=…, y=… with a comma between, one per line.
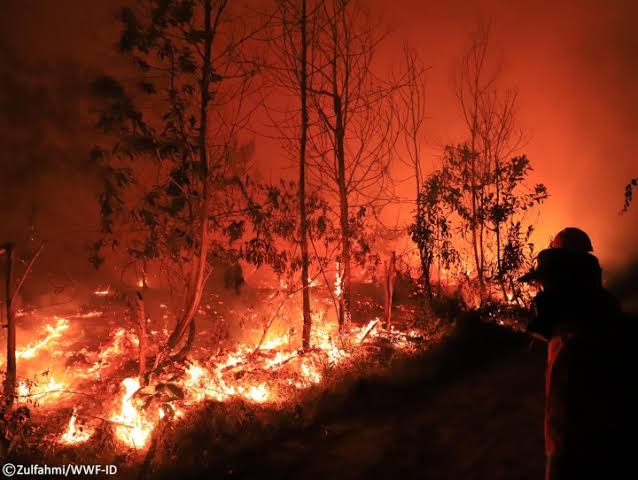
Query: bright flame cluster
x=268, y=375
x=132, y=427
x=53, y=332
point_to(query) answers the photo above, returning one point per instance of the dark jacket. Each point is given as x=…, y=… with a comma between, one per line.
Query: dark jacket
x=581, y=384
x=588, y=360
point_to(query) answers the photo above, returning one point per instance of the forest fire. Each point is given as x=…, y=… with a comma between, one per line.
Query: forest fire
x=132, y=427
x=73, y=433
x=53, y=332
x=270, y=374
x=232, y=224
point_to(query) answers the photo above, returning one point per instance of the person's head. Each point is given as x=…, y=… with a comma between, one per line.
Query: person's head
x=567, y=265
x=573, y=239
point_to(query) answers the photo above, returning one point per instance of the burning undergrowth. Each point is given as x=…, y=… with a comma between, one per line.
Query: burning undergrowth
x=80, y=380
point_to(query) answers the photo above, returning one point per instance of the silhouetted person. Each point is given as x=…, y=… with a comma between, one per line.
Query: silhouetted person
x=586, y=363
x=234, y=277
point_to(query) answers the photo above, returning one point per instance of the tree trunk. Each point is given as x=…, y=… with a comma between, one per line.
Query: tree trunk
x=139, y=314
x=497, y=227
x=10, y=381
x=196, y=288
x=344, y=298
x=474, y=220
x=390, y=278
x=339, y=132
x=303, y=88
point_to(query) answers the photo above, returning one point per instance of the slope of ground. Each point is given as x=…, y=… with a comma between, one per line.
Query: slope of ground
x=470, y=408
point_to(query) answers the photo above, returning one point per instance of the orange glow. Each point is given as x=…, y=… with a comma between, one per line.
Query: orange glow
x=103, y=292
x=74, y=434
x=53, y=332
x=262, y=377
x=133, y=429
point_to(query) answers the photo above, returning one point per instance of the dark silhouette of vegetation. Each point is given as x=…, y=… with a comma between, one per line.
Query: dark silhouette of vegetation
x=479, y=196
x=176, y=190
x=629, y=193
x=352, y=111
x=444, y=209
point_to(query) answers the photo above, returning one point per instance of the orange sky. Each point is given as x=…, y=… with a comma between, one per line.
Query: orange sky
x=574, y=63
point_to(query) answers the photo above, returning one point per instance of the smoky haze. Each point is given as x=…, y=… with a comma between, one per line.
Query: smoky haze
x=572, y=62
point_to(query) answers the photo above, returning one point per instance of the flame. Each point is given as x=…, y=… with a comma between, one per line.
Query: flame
x=74, y=434
x=275, y=342
x=258, y=393
x=53, y=332
x=121, y=341
x=42, y=393
x=265, y=376
x=23, y=389
x=103, y=292
x=133, y=428
x=310, y=373
x=52, y=386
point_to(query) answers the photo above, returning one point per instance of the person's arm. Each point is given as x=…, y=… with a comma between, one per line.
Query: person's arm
x=539, y=328
x=541, y=324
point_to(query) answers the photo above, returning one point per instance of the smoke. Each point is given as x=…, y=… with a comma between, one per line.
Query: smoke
x=47, y=183
x=624, y=284
x=574, y=66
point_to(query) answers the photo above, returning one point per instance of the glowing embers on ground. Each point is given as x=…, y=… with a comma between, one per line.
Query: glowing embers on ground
x=75, y=433
x=103, y=292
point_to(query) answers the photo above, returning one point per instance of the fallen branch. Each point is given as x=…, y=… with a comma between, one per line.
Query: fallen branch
x=370, y=328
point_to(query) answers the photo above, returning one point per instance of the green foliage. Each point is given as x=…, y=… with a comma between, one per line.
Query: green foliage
x=154, y=178
x=445, y=214
x=432, y=230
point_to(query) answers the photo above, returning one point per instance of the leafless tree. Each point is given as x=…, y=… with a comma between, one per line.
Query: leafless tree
x=412, y=114
x=355, y=123
x=292, y=73
x=489, y=114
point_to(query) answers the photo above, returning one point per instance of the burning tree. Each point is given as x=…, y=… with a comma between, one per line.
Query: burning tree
x=176, y=191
